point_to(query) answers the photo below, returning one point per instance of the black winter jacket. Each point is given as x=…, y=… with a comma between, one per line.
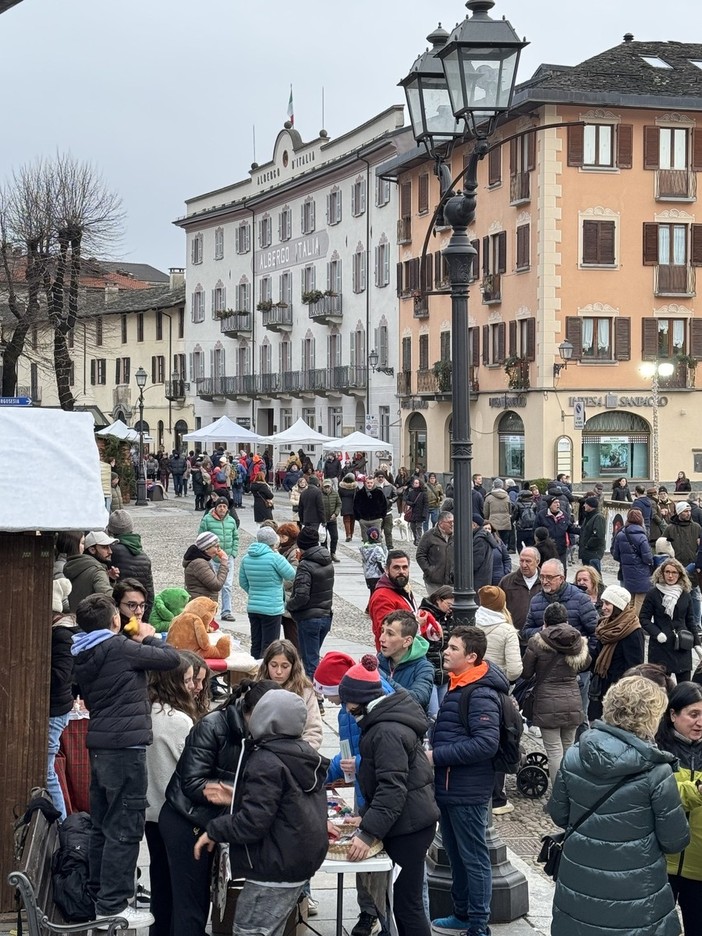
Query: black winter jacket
x=279, y=828
x=311, y=508
x=113, y=676
x=135, y=564
x=347, y=493
x=211, y=753
x=61, y=694
x=261, y=494
x=395, y=776
x=416, y=500
x=313, y=586
x=655, y=621
x=483, y=545
x=370, y=505
x=559, y=530
x=592, y=536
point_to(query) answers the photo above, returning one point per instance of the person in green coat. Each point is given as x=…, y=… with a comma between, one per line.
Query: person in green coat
x=219, y=522
x=613, y=876
x=680, y=734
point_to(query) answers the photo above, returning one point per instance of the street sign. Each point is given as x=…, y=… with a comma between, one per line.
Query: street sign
x=372, y=426
x=15, y=401
x=579, y=415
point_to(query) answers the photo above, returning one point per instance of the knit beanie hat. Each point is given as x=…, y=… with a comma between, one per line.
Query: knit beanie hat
x=268, y=536
x=61, y=589
x=373, y=534
x=206, y=540
x=361, y=684
x=331, y=670
x=617, y=596
x=221, y=500
x=478, y=519
x=592, y=502
x=664, y=547
x=309, y=537
x=120, y=522
x=683, y=505
x=492, y=597
x=313, y=480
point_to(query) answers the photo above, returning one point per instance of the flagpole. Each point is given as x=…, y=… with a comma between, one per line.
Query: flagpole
x=322, y=107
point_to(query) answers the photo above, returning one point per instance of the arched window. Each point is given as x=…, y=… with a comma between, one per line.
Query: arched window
x=417, y=428
x=616, y=443
x=510, y=434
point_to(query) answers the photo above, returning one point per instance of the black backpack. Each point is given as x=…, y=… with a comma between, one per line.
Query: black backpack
x=527, y=517
x=506, y=760
x=69, y=869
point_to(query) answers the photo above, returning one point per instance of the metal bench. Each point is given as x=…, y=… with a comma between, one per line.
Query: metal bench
x=32, y=882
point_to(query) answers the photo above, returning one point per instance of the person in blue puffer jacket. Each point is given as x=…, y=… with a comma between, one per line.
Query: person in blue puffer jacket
x=464, y=776
x=332, y=668
x=402, y=660
x=632, y=550
x=261, y=574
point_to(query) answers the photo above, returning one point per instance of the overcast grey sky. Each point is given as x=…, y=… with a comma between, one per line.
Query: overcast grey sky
x=162, y=95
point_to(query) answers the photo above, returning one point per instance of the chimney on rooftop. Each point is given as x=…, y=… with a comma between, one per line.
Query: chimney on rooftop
x=177, y=275
x=628, y=37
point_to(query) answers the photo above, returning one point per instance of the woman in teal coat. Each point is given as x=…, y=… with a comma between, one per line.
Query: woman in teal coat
x=220, y=522
x=262, y=573
x=613, y=877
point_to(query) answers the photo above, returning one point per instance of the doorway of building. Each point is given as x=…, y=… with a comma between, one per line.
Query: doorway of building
x=417, y=428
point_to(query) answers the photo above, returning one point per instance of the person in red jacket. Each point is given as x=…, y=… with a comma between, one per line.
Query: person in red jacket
x=393, y=591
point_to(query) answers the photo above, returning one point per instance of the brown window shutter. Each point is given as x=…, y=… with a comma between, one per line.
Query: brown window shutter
x=414, y=273
x=651, y=148
x=474, y=338
x=530, y=151
x=486, y=256
x=423, y=204
x=697, y=150
x=531, y=340
x=625, y=146
x=406, y=200
x=574, y=334
x=486, y=344
x=428, y=279
x=591, y=231
x=576, y=145
x=502, y=252
x=399, y=279
x=649, y=339
x=437, y=269
x=622, y=339
x=696, y=339
x=501, y=334
x=696, y=245
x=495, y=166
x=606, y=242
x=92, y=370
x=513, y=157
x=512, y=339
x=650, y=244
x=523, y=247
x=475, y=269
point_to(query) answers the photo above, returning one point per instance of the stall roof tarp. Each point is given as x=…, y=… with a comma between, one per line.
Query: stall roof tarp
x=223, y=429
x=298, y=434
x=69, y=456
x=120, y=430
x=358, y=442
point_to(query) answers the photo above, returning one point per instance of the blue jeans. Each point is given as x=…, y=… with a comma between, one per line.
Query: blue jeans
x=433, y=515
x=310, y=636
x=595, y=563
x=226, y=592
x=117, y=807
x=265, y=628
x=463, y=834
x=696, y=597
x=264, y=910
x=178, y=484
x=57, y=723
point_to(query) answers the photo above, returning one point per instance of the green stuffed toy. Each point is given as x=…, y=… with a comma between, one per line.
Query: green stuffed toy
x=167, y=604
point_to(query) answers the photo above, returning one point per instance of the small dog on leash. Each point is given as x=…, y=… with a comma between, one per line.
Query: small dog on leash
x=402, y=527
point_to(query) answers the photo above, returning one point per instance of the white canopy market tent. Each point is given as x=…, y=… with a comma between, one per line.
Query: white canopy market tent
x=358, y=442
x=298, y=434
x=119, y=430
x=224, y=429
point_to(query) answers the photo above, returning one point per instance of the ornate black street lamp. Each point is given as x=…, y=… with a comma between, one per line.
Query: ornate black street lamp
x=141, y=500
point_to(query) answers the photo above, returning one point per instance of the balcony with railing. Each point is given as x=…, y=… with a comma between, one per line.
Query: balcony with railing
x=404, y=231
x=437, y=382
x=238, y=323
x=519, y=188
x=268, y=384
x=211, y=387
x=349, y=379
x=327, y=310
x=278, y=318
x=682, y=378
x=290, y=383
x=492, y=288
x=517, y=370
x=421, y=306
x=675, y=185
x=674, y=279
x=175, y=390
x=315, y=380
x=404, y=383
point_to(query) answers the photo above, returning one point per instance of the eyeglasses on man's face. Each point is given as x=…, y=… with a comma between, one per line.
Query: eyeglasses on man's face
x=134, y=605
x=549, y=578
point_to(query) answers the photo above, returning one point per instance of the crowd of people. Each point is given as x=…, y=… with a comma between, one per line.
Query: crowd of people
x=607, y=677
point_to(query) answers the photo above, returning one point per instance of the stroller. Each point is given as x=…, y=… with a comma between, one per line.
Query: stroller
x=532, y=774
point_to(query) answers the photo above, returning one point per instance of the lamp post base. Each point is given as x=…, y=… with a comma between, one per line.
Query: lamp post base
x=142, y=500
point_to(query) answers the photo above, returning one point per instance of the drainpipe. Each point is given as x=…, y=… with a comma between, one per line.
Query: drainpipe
x=253, y=317
x=169, y=372
x=368, y=265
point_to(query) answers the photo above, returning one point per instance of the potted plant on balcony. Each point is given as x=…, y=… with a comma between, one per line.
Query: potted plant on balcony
x=222, y=314
x=330, y=293
x=264, y=305
x=686, y=360
x=309, y=297
x=517, y=370
x=442, y=371
x=281, y=305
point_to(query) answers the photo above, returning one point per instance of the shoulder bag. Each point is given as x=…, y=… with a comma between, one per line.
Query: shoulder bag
x=552, y=845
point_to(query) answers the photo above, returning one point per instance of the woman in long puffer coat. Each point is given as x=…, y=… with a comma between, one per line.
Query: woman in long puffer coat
x=632, y=550
x=666, y=616
x=417, y=508
x=612, y=876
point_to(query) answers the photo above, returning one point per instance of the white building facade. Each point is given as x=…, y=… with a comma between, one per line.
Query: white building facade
x=291, y=286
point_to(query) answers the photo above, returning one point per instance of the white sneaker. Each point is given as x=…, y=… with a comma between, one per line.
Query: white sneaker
x=534, y=731
x=137, y=919
x=502, y=810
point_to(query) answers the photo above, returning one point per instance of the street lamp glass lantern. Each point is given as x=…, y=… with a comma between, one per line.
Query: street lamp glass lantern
x=428, y=99
x=565, y=350
x=480, y=60
x=141, y=378
x=373, y=359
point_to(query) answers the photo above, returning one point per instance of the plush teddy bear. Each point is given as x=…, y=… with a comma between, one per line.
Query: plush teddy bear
x=167, y=604
x=190, y=629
